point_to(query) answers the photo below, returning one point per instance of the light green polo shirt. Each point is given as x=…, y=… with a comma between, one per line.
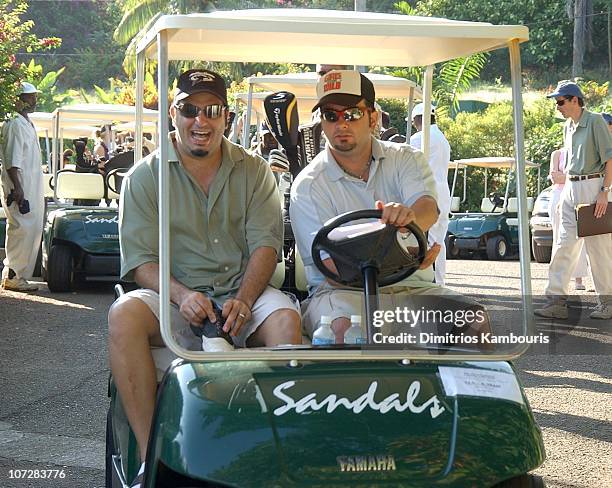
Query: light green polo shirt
x=589, y=144
x=211, y=237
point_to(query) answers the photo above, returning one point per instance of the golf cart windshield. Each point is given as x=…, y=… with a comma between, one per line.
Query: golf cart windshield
x=316, y=36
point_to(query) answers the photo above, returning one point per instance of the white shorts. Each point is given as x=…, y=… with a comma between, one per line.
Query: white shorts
x=339, y=302
x=268, y=302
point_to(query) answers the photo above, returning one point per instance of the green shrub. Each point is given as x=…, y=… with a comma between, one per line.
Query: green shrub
x=491, y=133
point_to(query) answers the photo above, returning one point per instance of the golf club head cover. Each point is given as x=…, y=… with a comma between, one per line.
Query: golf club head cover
x=213, y=330
x=282, y=118
x=278, y=160
x=309, y=141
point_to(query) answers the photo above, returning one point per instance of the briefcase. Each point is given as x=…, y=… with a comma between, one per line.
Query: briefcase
x=588, y=225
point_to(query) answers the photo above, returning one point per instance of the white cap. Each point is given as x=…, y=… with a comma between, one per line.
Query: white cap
x=28, y=88
x=326, y=319
x=356, y=319
x=418, y=110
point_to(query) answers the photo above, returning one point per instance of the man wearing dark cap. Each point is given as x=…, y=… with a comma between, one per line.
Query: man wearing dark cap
x=354, y=172
x=589, y=181
x=226, y=237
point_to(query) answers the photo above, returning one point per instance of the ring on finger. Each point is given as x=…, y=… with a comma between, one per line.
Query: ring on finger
x=241, y=315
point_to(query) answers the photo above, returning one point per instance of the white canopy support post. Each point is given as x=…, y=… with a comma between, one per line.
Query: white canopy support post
x=409, y=114
x=521, y=181
x=140, y=65
x=235, y=121
x=427, y=87
x=164, y=203
x=247, y=123
x=47, y=148
x=54, y=153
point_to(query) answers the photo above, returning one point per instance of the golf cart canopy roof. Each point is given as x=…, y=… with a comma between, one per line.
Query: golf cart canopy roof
x=303, y=35
x=103, y=113
x=490, y=163
x=303, y=85
x=304, y=104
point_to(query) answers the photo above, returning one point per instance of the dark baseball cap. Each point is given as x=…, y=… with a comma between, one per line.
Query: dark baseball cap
x=607, y=117
x=200, y=81
x=566, y=88
x=344, y=87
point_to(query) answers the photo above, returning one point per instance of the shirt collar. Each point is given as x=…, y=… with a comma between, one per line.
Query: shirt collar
x=335, y=172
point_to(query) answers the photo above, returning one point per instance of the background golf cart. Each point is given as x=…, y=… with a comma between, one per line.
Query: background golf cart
x=493, y=229
x=82, y=241
x=541, y=227
x=216, y=420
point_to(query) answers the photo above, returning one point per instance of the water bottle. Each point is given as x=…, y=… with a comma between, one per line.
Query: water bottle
x=324, y=335
x=354, y=334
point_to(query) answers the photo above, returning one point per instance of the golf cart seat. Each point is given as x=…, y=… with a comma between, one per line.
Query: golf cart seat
x=513, y=204
x=455, y=204
x=47, y=188
x=486, y=206
x=80, y=186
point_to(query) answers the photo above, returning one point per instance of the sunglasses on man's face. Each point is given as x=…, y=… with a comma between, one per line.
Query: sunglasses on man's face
x=561, y=102
x=348, y=114
x=191, y=111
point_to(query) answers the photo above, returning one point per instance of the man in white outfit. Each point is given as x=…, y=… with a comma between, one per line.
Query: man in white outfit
x=589, y=180
x=439, y=157
x=22, y=182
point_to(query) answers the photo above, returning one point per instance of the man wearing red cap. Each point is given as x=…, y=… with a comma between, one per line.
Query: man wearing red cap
x=354, y=172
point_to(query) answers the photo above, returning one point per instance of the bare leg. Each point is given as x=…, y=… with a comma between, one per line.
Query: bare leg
x=280, y=327
x=133, y=329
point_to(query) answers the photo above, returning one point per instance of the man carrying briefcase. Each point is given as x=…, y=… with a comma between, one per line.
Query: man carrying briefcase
x=589, y=180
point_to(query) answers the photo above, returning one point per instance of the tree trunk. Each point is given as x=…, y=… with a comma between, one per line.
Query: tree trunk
x=580, y=23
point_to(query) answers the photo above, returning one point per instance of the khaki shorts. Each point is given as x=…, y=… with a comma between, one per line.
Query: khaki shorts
x=268, y=302
x=344, y=302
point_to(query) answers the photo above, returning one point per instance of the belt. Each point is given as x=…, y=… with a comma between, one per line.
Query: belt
x=585, y=177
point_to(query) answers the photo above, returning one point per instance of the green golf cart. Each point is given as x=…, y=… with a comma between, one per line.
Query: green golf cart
x=329, y=415
x=493, y=229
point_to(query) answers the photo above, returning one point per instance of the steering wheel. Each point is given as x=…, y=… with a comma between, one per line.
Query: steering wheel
x=378, y=248
x=497, y=200
x=117, y=175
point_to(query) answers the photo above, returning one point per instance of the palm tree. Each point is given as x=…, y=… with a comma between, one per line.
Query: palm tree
x=141, y=14
x=581, y=11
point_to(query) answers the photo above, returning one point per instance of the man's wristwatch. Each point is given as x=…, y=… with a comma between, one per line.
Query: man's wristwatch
x=605, y=188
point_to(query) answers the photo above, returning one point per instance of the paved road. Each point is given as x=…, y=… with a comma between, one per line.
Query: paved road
x=54, y=373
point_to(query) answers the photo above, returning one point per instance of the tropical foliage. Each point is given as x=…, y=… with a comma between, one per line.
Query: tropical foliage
x=50, y=97
x=15, y=36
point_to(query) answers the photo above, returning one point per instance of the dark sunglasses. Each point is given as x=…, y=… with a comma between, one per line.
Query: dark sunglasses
x=191, y=111
x=348, y=114
x=561, y=102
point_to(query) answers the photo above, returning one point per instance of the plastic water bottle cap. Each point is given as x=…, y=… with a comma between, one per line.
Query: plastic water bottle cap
x=325, y=319
x=356, y=318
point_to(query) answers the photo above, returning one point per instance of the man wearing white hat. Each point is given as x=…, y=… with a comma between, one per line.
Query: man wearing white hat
x=22, y=193
x=439, y=157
